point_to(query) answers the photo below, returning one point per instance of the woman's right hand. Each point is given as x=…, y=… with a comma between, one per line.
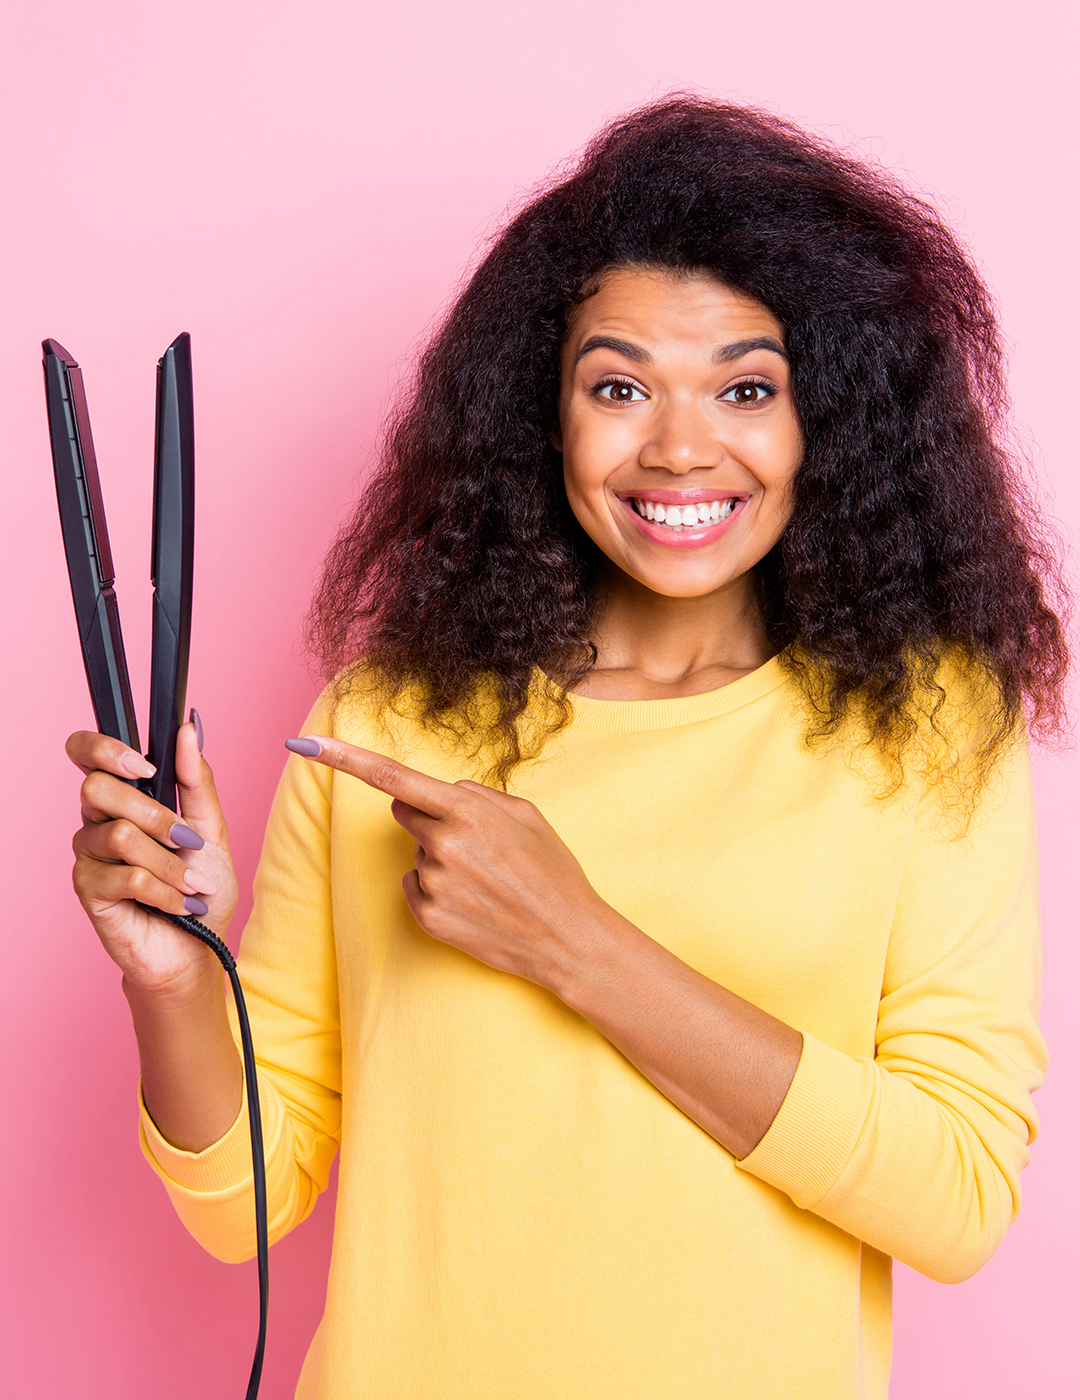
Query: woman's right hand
x=126, y=851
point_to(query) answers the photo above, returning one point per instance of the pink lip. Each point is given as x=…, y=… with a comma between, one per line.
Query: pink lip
x=682, y=539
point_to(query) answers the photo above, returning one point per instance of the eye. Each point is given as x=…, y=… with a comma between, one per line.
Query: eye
x=748, y=392
x=618, y=391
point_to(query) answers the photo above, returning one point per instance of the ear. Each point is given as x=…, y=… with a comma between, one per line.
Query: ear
x=555, y=437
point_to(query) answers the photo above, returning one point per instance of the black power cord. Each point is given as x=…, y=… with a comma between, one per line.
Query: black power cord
x=258, y=1162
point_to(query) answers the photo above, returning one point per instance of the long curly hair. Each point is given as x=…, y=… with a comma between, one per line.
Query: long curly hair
x=462, y=576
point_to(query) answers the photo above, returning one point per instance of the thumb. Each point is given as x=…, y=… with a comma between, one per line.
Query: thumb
x=199, y=805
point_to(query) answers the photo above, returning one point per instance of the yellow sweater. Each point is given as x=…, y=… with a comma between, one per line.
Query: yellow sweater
x=521, y=1214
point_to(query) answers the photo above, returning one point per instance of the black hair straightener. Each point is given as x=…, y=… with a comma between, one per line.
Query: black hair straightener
x=90, y=570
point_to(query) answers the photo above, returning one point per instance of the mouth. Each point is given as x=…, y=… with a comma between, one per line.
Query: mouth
x=667, y=516
x=677, y=518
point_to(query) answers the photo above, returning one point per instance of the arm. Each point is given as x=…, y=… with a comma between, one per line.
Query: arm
x=917, y=1151
x=194, y=1124
x=726, y=1063
x=287, y=964
x=494, y=879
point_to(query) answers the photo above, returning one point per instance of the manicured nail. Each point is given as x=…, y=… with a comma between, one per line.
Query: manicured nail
x=182, y=835
x=136, y=765
x=306, y=748
x=197, y=881
x=195, y=906
x=193, y=718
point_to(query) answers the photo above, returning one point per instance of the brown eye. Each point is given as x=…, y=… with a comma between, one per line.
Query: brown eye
x=748, y=392
x=618, y=391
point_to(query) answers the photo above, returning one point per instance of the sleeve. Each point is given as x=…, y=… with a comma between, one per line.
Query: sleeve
x=919, y=1150
x=288, y=971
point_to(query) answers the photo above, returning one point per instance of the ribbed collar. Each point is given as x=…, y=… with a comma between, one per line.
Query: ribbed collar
x=625, y=716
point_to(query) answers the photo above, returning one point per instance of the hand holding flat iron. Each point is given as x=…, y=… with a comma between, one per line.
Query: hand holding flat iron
x=131, y=851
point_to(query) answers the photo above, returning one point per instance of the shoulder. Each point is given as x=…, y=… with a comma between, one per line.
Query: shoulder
x=962, y=718
x=955, y=743
x=969, y=752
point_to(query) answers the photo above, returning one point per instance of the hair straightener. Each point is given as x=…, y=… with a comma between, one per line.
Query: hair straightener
x=90, y=570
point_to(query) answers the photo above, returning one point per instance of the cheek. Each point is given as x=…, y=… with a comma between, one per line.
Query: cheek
x=777, y=457
x=590, y=453
x=781, y=505
x=586, y=502
x=587, y=497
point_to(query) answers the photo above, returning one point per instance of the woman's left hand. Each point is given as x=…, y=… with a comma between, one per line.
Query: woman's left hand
x=492, y=877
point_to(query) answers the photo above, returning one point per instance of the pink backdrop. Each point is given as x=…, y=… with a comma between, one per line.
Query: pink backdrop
x=300, y=186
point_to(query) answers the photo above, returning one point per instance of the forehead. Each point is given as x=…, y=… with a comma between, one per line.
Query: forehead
x=657, y=308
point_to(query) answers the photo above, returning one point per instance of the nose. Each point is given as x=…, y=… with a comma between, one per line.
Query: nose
x=682, y=438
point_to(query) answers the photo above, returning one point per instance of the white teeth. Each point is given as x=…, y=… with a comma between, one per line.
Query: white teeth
x=685, y=517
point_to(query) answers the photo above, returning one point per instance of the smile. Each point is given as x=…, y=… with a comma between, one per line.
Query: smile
x=688, y=517
x=682, y=522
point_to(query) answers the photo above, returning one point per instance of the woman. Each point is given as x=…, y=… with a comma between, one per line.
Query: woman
x=650, y=912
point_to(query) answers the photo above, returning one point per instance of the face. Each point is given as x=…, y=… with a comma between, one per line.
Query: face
x=677, y=428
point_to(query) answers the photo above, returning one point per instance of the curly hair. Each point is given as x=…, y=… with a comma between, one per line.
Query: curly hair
x=462, y=576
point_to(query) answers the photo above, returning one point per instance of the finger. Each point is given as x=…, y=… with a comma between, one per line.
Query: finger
x=99, y=885
x=415, y=897
x=121, y=842
x=106, y=798
x=99, y=751
x=196, y=788
x=427, y=794
x=188, y=757
x=418, y=824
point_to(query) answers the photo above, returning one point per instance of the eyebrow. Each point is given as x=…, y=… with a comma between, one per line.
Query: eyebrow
x=625, y=348
x=727, y=353
x=722, y=356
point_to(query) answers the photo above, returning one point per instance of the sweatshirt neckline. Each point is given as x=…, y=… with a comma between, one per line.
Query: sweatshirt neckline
x=623, y=716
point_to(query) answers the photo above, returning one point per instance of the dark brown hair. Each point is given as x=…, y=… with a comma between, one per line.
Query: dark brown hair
x=462, y=574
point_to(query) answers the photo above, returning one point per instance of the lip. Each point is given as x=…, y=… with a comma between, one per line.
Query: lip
x=684, y=539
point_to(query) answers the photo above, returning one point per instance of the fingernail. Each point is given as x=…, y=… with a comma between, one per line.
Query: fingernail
x=198, y=882
x=306, y=748
x=195, y=906
x=193, y=718
x=136, y=765
x=182, y=835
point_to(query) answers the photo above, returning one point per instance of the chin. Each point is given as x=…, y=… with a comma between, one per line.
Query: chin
x=681, y=587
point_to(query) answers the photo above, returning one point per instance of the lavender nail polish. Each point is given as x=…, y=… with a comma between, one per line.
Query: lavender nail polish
x=306, y=748
x=184, y=837
x=195, y=906
x=194, y=719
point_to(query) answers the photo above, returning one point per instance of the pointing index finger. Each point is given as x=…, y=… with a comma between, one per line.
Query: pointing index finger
x=419, y=790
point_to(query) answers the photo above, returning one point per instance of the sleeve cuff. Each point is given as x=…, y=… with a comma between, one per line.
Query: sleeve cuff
x=812, y=1138
x=222, y=1167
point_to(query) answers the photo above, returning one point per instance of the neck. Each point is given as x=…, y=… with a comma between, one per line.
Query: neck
x=652, y=647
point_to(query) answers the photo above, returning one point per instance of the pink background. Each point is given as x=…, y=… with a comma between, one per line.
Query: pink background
x=300, y=186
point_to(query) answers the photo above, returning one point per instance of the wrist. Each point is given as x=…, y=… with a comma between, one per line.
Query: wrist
x=606, y=944
x=178, y=990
